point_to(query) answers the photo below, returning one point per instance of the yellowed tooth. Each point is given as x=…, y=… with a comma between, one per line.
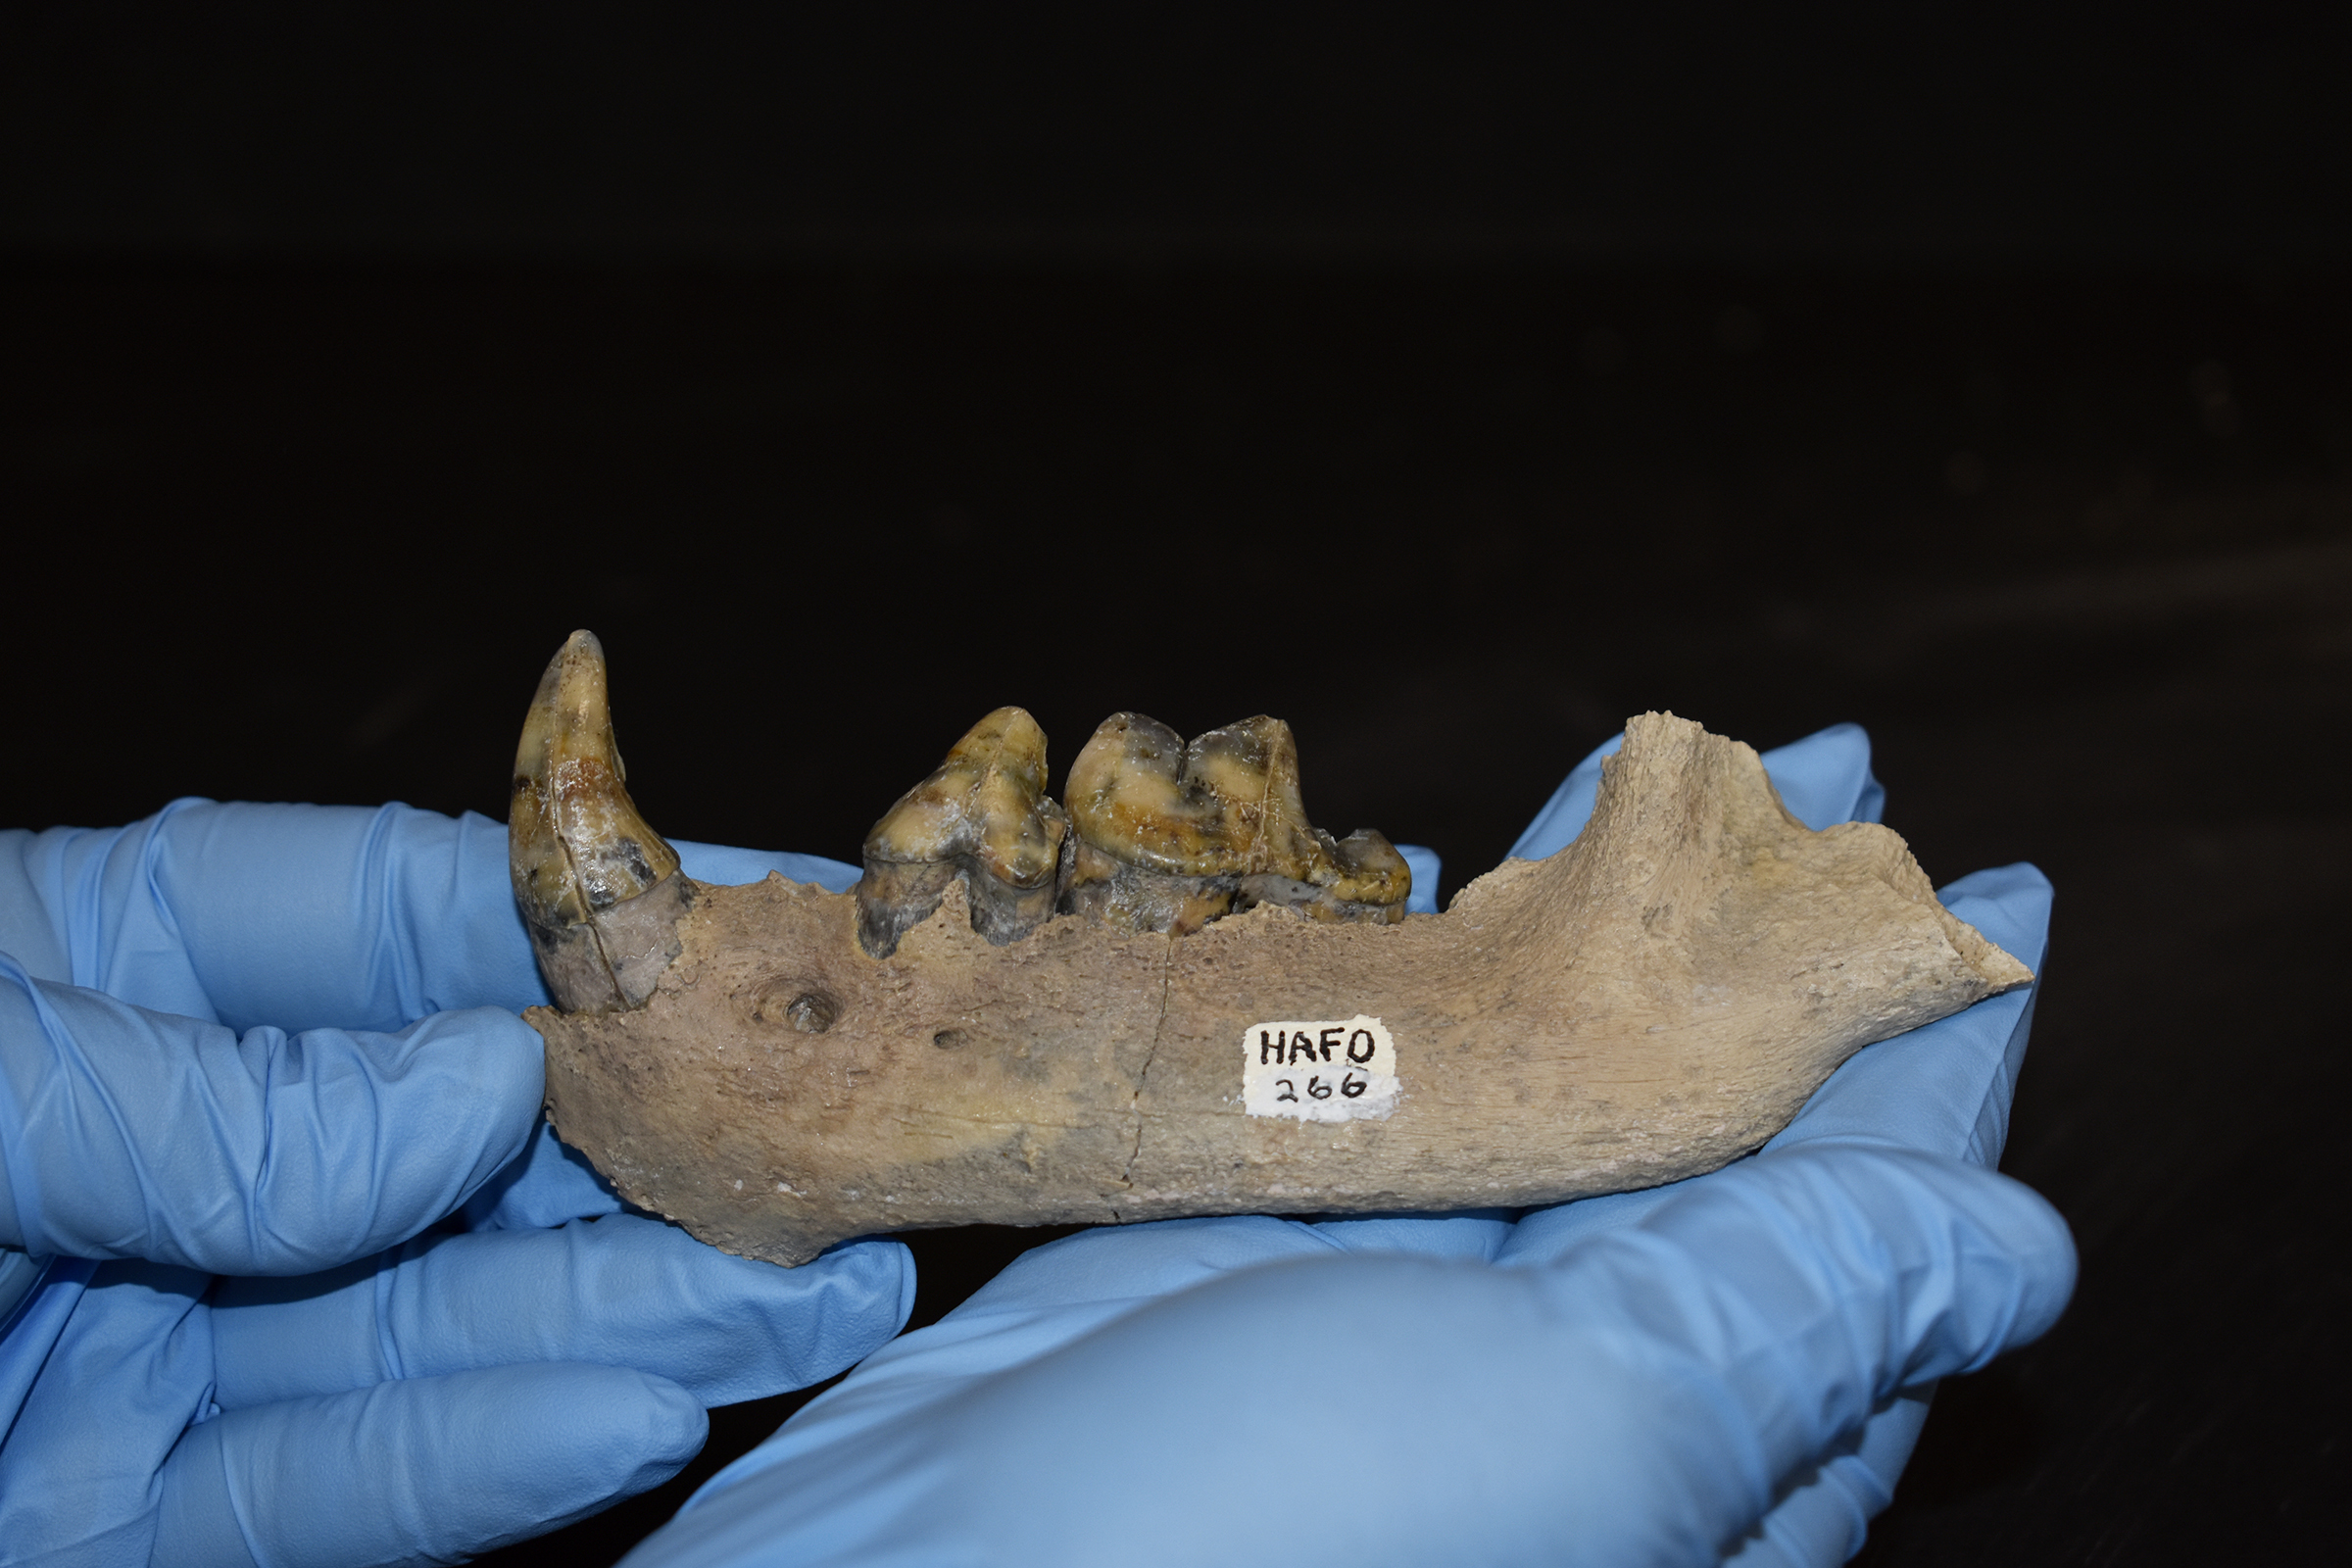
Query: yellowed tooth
x=600, y=891
x=982, y=816
x=1167, y=837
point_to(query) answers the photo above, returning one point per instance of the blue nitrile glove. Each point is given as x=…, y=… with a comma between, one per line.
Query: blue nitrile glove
x=277, y=1044
x=1734, y=1366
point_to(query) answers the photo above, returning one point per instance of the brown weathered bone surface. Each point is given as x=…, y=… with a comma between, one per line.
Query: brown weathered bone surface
x=1650, y=1003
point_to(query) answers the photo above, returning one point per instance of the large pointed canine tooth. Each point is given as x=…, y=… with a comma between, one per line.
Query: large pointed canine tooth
x=982, y=816
x=1166, y=836
x=600, y=891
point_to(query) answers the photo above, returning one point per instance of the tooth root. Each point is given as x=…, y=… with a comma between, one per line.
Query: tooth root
x=1167, y=837
x=982, y=816
x=600, y=891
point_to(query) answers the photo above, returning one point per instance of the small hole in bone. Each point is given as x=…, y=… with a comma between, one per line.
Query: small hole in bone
x=949, y=1039
x=811, y=1013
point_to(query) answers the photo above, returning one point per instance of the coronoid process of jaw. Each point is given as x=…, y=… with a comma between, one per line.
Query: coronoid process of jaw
x=1178, y=996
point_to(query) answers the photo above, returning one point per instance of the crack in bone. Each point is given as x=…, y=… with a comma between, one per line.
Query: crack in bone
x=1143, y=1079
x=598, y=890
x=596, y=938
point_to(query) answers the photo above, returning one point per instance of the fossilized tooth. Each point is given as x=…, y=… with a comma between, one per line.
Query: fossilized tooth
x=1650, y=1004
x=1167, y=837
x=600, y=891
x=982, y=817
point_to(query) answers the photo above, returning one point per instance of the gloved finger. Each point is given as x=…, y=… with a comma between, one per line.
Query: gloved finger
x=1823, y=779
x=427, y=1471
x=548, y=1183
x=621, y=1292
x=126, y=1133
x=98, y=1381
x=1641, y=1401
x=298, y=917
x=1824, y=1517
x=306, y=916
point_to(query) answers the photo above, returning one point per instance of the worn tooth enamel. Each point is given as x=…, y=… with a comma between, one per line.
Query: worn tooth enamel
x=1167, y=837
x=600, y=891
x=983, y=816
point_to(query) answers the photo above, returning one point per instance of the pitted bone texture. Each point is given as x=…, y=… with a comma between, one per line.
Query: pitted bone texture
x=1168, y=837
x=983, y=818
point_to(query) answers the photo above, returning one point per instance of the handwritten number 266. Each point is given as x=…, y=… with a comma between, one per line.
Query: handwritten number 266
x=1350, y=1087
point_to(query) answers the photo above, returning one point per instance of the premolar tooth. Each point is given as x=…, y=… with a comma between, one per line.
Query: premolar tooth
x=600, y=891
x=1167, y=837
x=982, y=816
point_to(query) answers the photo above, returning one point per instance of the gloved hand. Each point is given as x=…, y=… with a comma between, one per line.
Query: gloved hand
x=1734, y=1366
x=276, y=1045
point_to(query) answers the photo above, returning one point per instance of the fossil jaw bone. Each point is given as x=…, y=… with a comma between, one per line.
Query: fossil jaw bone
x=1170, y=836
x=983, y=818
x=1650, y=1004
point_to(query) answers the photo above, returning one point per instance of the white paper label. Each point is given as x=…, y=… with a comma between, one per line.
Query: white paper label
x=1319, y=1071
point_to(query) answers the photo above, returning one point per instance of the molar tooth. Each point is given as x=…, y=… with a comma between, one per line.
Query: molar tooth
x=599, y=890
x=1167, y=837
x=982, y=816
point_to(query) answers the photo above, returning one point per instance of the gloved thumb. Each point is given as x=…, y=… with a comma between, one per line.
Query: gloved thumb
x=126, y=1133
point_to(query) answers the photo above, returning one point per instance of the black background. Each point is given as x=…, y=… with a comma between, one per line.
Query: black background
x=1450, y=389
